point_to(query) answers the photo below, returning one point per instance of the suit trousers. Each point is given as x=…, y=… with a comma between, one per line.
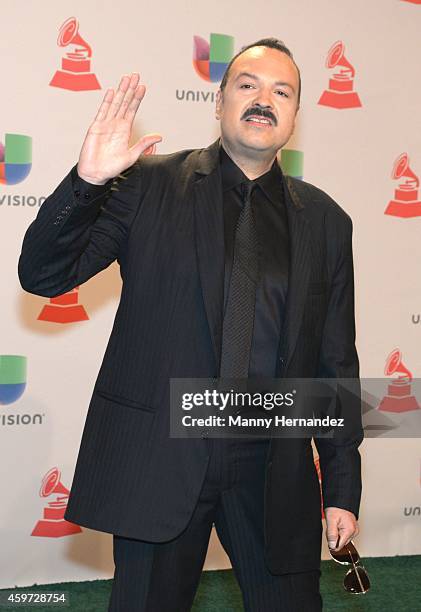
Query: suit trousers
x=163, y=577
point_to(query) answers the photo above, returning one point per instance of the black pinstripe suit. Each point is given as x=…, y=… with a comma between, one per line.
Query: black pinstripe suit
x=163, y=223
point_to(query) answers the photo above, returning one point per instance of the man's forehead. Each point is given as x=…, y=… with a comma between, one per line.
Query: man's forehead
x=258, y=59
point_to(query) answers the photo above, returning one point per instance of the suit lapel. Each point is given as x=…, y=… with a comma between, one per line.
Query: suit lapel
x=210, y=248
x=299, y=271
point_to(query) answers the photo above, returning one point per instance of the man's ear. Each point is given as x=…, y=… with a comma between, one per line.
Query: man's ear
x=218, y=106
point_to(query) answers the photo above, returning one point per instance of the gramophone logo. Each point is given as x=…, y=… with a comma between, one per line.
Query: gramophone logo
x=399, y=397
x=15, y=159
x=64, y=308
x=53, y=523
x=211, y=60
x=75, y=73
x=340, y=92
x=292, y=162
x=406, y=202
x=12, y=378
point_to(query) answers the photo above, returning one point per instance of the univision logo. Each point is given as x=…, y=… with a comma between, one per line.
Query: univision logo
x=12, y=387
x=15, y=165
x=413, y=510
x=292, y=162
x=210, y=61
x=15, y=159
x=12, y=378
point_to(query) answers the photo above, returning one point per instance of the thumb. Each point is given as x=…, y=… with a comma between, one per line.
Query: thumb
x=332, y=535
x=144, y=143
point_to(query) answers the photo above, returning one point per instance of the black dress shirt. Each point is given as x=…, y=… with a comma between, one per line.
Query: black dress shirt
x=272, y=228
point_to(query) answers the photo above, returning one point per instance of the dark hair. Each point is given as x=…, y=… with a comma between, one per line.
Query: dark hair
x=271, y=43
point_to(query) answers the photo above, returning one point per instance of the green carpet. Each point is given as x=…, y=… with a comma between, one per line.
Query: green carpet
x=395, y=587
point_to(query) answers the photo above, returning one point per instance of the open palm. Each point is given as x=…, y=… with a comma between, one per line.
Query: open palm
x=105, y=151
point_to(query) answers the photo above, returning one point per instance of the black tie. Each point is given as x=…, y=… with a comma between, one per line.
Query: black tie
x=237, y=330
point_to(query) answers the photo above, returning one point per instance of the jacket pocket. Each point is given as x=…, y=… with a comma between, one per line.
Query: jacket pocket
x=118, y=399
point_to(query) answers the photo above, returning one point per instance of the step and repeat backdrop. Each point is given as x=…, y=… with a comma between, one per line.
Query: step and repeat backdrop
x=358, y=137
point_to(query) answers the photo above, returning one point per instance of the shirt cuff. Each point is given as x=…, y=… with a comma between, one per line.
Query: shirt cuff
x=85, y=192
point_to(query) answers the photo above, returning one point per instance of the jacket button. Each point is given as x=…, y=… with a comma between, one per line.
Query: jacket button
x=87, y=196
x=77, y=193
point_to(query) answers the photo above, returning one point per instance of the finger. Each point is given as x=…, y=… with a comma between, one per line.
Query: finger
x=143, y=144
x=118, y=98
x=135, y=102
x=345, y=537
x=128, y=96
x=150, y=150
x=332, y=536
x=105, y=105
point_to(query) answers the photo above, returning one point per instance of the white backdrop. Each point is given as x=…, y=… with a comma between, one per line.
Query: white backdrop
x=348, y=152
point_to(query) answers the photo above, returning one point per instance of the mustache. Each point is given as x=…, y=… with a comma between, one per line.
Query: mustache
x=262, y=112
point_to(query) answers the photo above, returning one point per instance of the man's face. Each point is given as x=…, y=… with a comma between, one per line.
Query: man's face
x=258, y=106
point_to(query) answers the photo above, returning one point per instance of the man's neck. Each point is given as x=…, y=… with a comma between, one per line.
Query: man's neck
x=252, y=168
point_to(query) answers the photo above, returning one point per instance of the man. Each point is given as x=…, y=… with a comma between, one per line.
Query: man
x=181, y=227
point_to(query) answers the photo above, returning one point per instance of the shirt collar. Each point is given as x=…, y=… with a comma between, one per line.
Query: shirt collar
x=233, y=176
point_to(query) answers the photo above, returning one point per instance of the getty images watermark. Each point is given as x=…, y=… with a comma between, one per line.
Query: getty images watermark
x=293, y=408
x=243, y=419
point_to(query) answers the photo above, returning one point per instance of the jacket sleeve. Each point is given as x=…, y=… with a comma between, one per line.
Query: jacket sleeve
x=74, y=237
x=340, y=461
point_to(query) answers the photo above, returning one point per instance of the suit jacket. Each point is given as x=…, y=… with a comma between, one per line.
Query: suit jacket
x=163, y=222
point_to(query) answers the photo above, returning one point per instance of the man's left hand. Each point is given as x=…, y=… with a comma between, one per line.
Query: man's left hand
x=340, y=524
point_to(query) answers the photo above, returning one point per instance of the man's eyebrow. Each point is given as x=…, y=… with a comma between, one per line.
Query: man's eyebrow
x=255, y=77
x=248, y=75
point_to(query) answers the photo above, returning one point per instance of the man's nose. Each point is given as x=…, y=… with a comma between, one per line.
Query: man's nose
x=262, y=103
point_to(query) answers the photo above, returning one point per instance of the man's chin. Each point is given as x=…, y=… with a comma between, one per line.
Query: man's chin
x=252, y=145
x=260, y=144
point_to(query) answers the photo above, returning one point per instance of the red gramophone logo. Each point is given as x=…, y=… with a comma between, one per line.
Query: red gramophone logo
x=64, y=309
x=399, y=397
x=53, y=524
x=75, y=73
x=406, y=203
x=340, y=93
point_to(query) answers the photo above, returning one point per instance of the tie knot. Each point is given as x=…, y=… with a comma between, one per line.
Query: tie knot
x=247, y=188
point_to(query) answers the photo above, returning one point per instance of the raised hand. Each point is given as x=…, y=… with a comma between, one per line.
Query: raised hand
x=105, y=152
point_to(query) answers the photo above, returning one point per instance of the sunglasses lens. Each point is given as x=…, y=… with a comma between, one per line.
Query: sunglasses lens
x=344, y=554
x=356, y=580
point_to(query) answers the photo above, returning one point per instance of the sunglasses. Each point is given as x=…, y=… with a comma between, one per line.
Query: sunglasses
x=356, y=579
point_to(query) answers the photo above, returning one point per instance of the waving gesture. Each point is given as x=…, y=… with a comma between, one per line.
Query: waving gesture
x=105, y=152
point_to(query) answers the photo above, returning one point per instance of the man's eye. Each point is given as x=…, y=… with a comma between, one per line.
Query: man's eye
x=282, y=93
x=244, y=85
